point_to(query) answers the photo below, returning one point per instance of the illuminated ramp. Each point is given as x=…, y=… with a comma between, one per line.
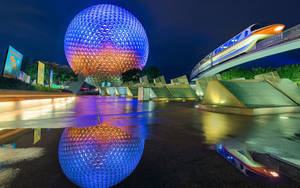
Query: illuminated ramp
x=173, y=92
x=122, y=91
x=251, y=97
x=160, y=92
x=132, y=91
x=289, y=88
x=257, y=94
x=111, y=91
x=181, y=91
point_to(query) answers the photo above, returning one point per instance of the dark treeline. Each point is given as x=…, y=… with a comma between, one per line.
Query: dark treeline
x=134, y=74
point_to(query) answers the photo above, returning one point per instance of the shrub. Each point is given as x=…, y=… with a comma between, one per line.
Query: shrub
x=291, y=72
x=11, y=83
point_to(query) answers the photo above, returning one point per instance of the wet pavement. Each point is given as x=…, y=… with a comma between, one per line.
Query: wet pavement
x=149, y=144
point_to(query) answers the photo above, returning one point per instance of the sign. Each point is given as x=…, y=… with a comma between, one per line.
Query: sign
x=41, y=73
x=26, y=78
x=51, y=77
x=21, y=75
x=13, y=63
x=37, y=135
x=57, y=86
x=141, y=93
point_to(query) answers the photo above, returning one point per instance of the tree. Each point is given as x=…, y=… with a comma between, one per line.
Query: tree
x=291, y=72
x=60, y=73
x=151, y=72
x=32, y=70
x=135, y=74
x=131, y=75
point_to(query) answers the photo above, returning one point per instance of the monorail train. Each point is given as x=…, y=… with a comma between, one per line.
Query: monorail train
x=241, y=43
x=244, y=162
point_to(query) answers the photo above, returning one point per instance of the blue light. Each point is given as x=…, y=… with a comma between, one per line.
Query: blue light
x=100, y=156
x=103, y=41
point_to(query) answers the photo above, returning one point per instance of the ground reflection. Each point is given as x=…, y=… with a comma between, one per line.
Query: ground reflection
x=217, y=127
x=107, y=135
x=10, y=156
x=99, y=156
x=272, y=140
x=243, y=161
x=104, y=154
x=35, y=113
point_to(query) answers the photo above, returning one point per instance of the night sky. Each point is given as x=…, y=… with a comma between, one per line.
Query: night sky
x=180, y=32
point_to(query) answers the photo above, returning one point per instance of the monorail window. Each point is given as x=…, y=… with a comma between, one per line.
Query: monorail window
x=242, y=152
x=237, y=37
x=246, y=33
x=231, y=42
x=216, y=51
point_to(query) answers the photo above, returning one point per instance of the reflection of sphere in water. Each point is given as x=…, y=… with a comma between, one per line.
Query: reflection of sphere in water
x=98, y=156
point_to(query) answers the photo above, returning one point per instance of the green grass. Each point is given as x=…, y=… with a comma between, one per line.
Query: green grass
x=291, y=72
x=48, y=89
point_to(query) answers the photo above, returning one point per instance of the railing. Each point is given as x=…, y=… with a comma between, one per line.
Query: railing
x=285, y=36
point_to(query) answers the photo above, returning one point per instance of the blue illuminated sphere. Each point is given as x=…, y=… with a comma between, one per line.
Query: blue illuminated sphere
x=99, y=156
x=103, y=41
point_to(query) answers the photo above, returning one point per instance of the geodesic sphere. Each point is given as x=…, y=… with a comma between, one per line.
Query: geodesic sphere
x=99, y=156
x=103, y=41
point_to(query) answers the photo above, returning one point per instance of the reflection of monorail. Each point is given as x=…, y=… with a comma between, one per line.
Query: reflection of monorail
x=241, y=43
x=243, y=161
